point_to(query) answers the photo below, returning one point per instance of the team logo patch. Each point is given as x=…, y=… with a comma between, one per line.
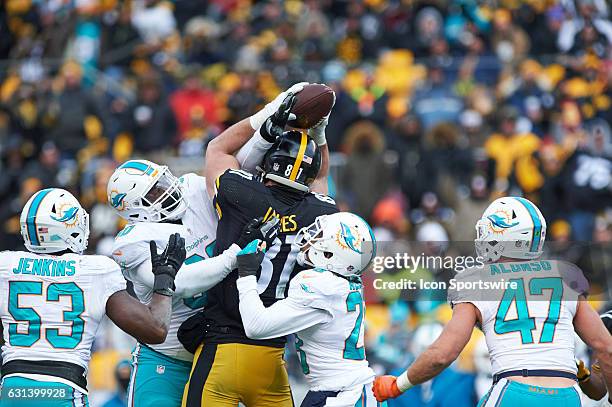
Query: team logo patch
x=500, y=221
x=161, y=369
x=68, y=215
x=117, y=200
x=349, y=238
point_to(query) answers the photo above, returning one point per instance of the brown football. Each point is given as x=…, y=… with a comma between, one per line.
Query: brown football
x=313, y=103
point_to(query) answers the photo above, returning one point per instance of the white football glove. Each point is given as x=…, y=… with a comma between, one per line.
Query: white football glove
x=317, y=133
x=268, y=110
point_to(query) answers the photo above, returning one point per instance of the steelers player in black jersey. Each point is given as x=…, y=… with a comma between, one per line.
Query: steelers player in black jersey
x=229, y=367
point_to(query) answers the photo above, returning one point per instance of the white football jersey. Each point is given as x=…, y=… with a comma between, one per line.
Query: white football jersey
x=199, y=227
x=53, y=305
x=528, y=325
x=332, y=354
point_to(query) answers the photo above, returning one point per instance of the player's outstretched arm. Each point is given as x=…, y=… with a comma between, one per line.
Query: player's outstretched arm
x=220, y=152
x=593, y=332
x=149, y=323
x=195, y=277
x=283, y=317
x=444, y=351
x=146, y=323
x=242, y=140
x=319, y=185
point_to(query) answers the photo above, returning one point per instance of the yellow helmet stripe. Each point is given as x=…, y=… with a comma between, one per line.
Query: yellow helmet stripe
x=300, y=157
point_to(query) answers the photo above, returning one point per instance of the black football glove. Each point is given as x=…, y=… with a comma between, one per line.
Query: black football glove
x=166, y=265
x=274, y=126
x=257, y=229
x=249, y=259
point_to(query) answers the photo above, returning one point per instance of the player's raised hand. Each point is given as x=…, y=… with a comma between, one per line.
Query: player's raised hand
x=385, y=387
x=166, y=264
x=274, y=126
x=249, y=259
x=258, y=229
x=261, y=116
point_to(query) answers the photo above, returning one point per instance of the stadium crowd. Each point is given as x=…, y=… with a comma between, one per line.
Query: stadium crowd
x=441, y=107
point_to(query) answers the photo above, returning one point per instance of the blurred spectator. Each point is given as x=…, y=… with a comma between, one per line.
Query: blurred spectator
x=587, y=182
x=150, y=120
x=46, y=168
x=512, y=153
x=509, y=41
x=119, y=37
x=195, y=107
x=468, y=210
x=414, y=169
x=435, y=102
x=588, y=28
x=365, y=178
x=123, y=371
x=154, y=20
x=72, y=115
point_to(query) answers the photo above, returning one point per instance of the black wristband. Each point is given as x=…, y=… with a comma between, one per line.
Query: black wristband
x=164, y=281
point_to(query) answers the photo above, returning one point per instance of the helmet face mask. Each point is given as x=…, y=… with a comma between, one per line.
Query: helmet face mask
x=53, y=221
x=142, y=191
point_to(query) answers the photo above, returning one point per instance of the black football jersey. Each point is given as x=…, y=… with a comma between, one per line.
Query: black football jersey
x=240, y=198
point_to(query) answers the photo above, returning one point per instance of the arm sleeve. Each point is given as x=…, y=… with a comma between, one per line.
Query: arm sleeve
x=282, y=318
x=194, y=277
x=252, y=152
x=203, y=274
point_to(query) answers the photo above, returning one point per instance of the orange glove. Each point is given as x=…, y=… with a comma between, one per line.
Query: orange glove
x=385, y=387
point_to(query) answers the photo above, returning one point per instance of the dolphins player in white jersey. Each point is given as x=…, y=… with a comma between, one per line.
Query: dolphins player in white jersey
x=529, y=326
x=56, y=298
x=156, y=204
x=324, y=308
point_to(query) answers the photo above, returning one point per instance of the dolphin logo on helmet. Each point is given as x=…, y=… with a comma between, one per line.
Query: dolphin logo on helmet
x=500, y=222
x=68, y=215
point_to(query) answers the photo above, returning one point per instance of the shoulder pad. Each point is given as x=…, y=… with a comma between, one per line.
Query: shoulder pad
x=230, y=186
x=315, y=288
x=324, y=198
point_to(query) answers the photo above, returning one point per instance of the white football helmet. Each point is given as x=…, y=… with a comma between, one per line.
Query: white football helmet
x=510, y=227
x=424, y=336
x=53, y=220
x=142, y=191
x=342, y=243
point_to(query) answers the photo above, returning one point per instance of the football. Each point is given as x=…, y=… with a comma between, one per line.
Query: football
x=313, y=103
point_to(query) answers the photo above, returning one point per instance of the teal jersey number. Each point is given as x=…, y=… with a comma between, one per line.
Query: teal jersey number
x=29, y=315
x=54, y=292
x=351, y=351
x=301, y=355
x=23, y=314
x=524, y=323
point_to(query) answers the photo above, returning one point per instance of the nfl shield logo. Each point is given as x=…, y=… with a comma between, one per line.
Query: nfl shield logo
x=161, y=369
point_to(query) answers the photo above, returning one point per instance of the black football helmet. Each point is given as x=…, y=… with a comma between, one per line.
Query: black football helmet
x=293, y=160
